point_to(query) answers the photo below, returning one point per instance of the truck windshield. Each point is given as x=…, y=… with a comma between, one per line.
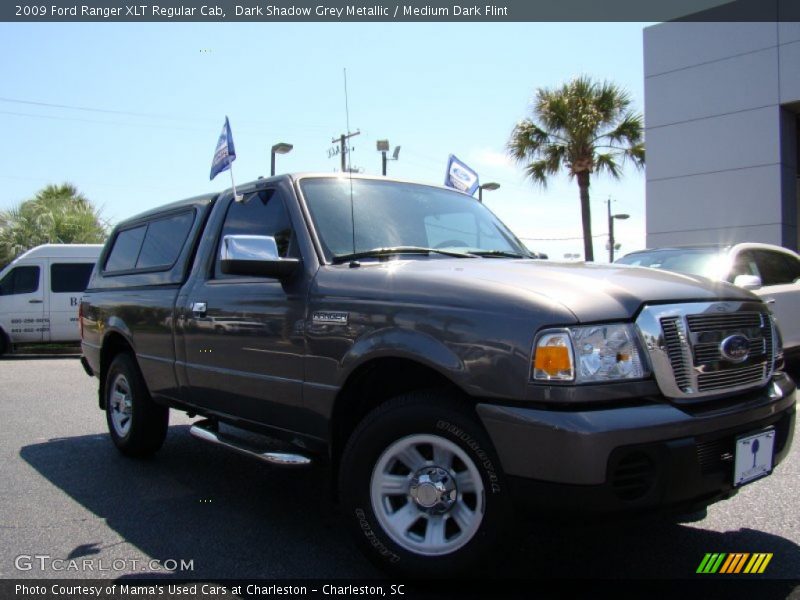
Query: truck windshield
x=389, y=215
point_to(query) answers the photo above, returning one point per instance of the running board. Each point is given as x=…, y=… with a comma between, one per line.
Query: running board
x=204, y=430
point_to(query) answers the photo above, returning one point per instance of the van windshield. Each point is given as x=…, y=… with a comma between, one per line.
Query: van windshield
x=394, y=216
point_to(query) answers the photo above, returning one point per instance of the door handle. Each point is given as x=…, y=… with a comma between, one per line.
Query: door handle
x=35, y=301
x=199, y=310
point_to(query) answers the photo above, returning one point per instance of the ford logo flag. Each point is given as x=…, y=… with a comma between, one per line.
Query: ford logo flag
x=225, y=153
x=460, y=176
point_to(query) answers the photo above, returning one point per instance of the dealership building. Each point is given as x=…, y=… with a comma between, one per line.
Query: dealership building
x=722, y=116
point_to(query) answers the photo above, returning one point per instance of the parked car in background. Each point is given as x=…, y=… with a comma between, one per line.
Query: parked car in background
x=40, y=293
x=772, y=272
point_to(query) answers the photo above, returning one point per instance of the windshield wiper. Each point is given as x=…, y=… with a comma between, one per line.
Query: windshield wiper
x=500, y=253
x=378, y=252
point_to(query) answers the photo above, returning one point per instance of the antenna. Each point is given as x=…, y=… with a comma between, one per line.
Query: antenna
x=344, y=138
x=346, y=110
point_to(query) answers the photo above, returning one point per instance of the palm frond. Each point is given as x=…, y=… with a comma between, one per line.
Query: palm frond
x=607, y=163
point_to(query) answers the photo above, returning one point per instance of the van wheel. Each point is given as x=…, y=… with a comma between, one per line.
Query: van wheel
x=4, y=345
x=422, y=487
x=138, y=426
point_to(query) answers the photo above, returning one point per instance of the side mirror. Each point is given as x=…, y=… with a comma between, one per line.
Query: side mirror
x=748, y=282
x=255, y=256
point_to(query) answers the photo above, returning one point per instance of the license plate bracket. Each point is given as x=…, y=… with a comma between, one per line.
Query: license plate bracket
x=754, y=456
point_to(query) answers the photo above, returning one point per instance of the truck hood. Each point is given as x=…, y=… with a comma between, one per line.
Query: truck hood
x=590, y=292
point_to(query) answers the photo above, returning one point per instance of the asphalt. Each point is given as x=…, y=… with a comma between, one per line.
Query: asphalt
x=67, y=494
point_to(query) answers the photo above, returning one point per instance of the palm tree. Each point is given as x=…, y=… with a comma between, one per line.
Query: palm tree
x=56, y=214
x=583, y=127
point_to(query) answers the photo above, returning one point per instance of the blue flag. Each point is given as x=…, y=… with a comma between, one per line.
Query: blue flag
x=460, y=176
x=225, y=153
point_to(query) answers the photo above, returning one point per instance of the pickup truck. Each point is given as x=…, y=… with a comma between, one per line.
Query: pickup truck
x=402, y=336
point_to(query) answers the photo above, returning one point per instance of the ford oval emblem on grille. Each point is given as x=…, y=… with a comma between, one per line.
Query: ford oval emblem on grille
x=735, y=348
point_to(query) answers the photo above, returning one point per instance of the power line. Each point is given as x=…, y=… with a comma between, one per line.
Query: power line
x=564, y=239
x=92, y=109
x=96, y=109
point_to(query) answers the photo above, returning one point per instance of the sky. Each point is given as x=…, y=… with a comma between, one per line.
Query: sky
x=140, y=107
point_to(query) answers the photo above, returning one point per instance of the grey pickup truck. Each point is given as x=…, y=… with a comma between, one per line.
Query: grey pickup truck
x=401, y=335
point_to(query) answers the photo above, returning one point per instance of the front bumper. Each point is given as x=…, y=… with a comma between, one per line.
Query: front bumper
x=648, y=455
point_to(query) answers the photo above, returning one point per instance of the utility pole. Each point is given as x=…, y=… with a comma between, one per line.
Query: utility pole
x=610, y=232
x=342, y=139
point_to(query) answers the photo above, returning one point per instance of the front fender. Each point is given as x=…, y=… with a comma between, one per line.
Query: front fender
x=402, y=343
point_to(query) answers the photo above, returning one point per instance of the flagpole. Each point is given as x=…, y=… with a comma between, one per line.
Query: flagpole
x=236, y=197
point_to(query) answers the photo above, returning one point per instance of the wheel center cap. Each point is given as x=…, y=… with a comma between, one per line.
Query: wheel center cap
x=427, y=494
x=433, y=489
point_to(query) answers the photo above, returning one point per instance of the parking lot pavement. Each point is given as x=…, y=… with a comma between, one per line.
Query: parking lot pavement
x=67, y=494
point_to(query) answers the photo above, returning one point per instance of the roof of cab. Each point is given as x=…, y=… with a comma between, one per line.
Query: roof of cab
x=251, y=186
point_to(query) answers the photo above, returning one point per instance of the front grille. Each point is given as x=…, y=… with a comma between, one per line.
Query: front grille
x=705, y=353
x=686, y=341
x=675, y=340
x=724, y=322
x=716, y=455
x=731, y=377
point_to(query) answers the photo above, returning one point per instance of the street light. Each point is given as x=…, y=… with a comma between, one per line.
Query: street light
x=383, y=147
x=489, y=187
x=621, y=217
x=279, y=148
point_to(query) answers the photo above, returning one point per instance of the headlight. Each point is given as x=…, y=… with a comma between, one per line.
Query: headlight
x=777, y=344
x=590, y=354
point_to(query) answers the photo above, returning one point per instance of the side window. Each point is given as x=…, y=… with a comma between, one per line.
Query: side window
x=70, y=277
x=164, y=240
x=150, y=246
x=452, y=230
x=126, y=249
x=744, y=264
x=261, y=213
x=20, y=280
x=776, y=268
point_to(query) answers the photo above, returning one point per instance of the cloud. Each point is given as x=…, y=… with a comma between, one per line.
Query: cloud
x=491, y=158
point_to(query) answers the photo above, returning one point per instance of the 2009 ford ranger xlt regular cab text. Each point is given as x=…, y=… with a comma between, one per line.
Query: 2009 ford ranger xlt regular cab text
x=400, y=334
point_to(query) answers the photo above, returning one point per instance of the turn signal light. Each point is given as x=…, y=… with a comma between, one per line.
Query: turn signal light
x=552, y=358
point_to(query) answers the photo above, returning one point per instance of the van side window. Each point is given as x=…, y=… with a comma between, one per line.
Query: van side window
x=126, y=249
x=20, y=280
x=164, y=241
x=70, y=277
x=261, y=213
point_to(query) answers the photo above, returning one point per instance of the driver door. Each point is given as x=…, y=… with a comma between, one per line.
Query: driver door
x=243, y=335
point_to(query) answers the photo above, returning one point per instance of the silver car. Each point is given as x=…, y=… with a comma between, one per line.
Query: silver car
x=771, y=272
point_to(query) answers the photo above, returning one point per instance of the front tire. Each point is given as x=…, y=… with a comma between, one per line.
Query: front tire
x=422, y=487
x=138, y=426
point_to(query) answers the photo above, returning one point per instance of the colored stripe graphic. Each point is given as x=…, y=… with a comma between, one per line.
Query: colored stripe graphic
x=758, y=563
x=735, y=562
x=711, y=562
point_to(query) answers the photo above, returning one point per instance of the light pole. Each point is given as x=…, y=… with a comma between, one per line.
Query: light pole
x=621, y=217
x=489, y=187
x=383, y=147
x=279, y=148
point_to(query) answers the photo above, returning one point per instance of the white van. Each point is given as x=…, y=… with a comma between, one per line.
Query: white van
x=40, y=292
